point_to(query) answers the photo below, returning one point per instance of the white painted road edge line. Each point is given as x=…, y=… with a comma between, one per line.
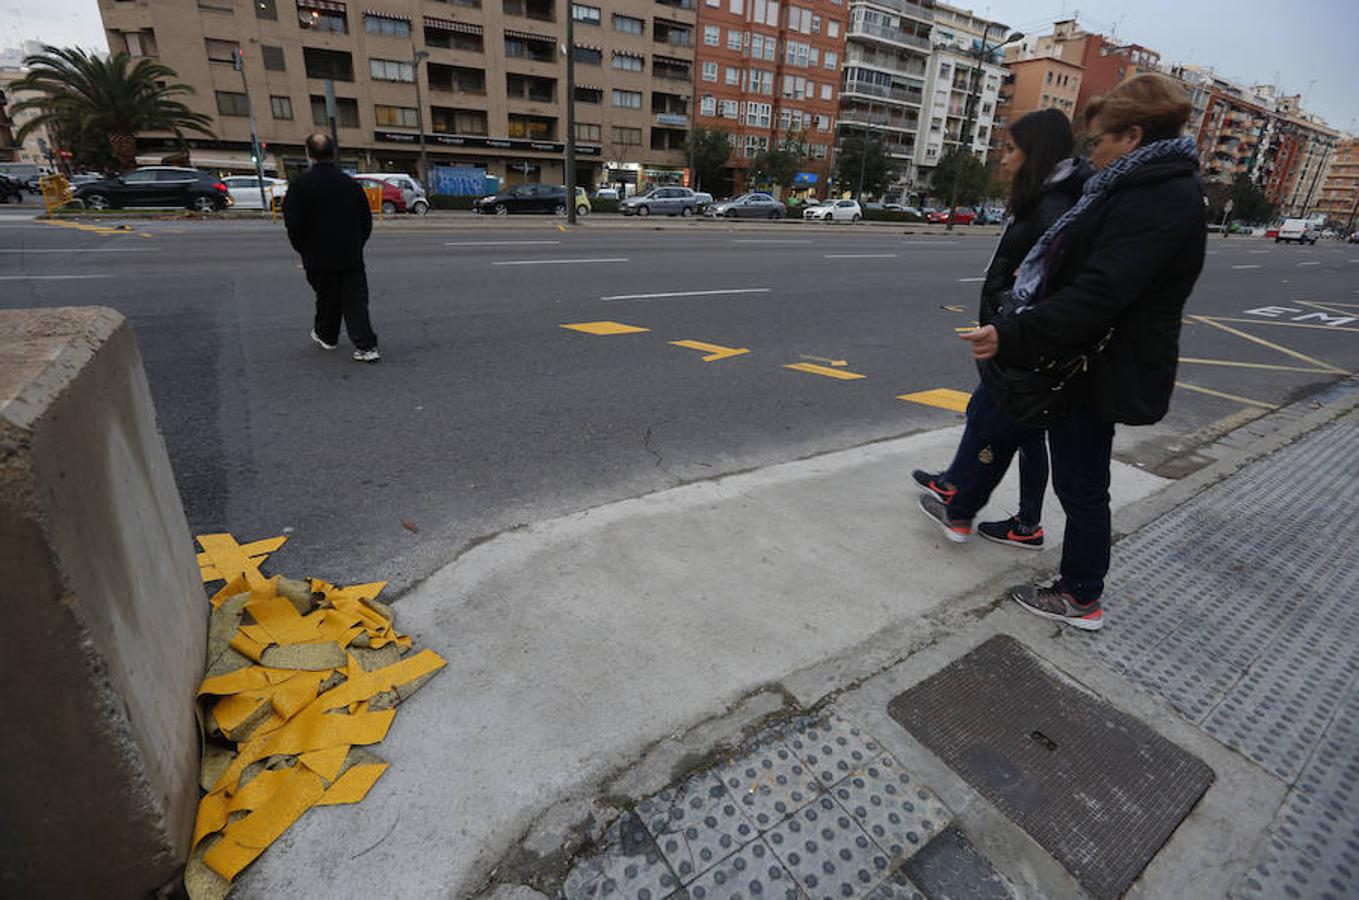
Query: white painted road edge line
x=1246, y=267
x=85, y=250
x=46, y=277
x=551, y=262
x=1313, y=263
x=497, y=243
x=762, y=290
x=983, y=278
x=929, y=243
x=861, y=256
x=768, y=241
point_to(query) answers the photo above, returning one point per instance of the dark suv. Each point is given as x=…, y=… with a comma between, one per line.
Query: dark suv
x=525, y=198
x=162, y=186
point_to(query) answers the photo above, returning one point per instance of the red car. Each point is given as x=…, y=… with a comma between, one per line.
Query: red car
x=393, y=201
x=964, y=215
x=1272, y=232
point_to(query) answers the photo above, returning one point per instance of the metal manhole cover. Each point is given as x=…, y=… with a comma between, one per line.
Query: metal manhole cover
x=1096, y=788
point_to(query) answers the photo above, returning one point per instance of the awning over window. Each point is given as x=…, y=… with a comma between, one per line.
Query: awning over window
x=325, y=5
x=450, y=25
x=671, y=61
x=379, y=14
x=588, y=87
x=530, y=36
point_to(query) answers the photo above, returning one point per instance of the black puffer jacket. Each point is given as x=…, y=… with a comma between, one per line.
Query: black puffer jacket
x=1060, y=193
x=1128, y=263
x=328, y=219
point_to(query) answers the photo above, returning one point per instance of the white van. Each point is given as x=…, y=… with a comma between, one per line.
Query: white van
x=1304, y=231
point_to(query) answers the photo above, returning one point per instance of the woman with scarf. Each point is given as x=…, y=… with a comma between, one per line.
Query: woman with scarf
x=1104, y=287
x=1044, y=182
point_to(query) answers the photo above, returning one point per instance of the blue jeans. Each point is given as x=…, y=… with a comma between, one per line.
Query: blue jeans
x=1082, y=447
x=985, y=421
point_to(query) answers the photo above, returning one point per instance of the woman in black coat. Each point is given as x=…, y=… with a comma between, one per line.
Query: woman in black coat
x=1109, y=280
x=1044, y=183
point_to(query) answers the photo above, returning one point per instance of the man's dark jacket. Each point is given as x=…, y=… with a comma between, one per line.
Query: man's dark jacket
x=1023, y=232
x=1128, y=263
x=328, y=219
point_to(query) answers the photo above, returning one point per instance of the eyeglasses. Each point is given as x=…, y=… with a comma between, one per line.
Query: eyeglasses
x=1092, y=141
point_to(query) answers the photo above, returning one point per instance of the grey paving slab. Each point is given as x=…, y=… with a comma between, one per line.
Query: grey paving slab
x=831, y=748
x=896, y=887
x=695, y=825
x=828, y=853
x=751, y=873
x=630, y=868
x=768, y=782
x=899, y=813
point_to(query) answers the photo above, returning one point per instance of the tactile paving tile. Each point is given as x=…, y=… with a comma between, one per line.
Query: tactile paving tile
x=1096, y=788
x=768, y=782
x=828, y=853
x=831, y=748
x=950, y=866
x=896, y=811
x=630, y=868
x=695, y=825
x=752, y=873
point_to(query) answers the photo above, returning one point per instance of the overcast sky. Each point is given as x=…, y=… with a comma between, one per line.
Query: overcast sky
x=1304, y=46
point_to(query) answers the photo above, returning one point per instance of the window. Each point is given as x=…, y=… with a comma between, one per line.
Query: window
x=221, y=51
x=534, y=128
x=386, y=27
x=586, y=15
x=716, y=4
x=733, y=40
x=1049, y=76
x=735, y=7
x=458, y=121
x=266, y=9
x=333, y=64
x=712, y=35
x=273, y=58
x=825, y=92
x=811, y=57
x=589, y=95
x=327, y=20
x=391, y=70
x=733, y=75
x=528, y=87
x=772, y=14
x=823, y=123
x=709, y=71
x=832, y=28
x=586, y=132
x=346, y=112
x=628, y=63
x=282, y=107
x=628, y=100
x=816, y=24
x=630, y=136
x=590, y=56
x=231, y=103
x=832, y=60
x=708, y=105
x=629, y=25
x=396, y=116
x=730, y=109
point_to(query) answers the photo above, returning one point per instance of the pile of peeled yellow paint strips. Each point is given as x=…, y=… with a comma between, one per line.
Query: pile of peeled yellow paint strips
x=301, y=677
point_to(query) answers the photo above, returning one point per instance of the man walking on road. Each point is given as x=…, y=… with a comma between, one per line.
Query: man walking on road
x=328, y=221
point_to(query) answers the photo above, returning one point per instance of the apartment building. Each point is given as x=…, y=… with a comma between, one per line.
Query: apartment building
x=1039, y=82
x=964, y=81
x=1340, y=188
x=492, y=88
x=1104, y=63
x=769, y=70
x=886, y=78
x=38, y=147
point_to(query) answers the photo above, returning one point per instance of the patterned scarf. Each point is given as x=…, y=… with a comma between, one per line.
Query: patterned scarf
x=1029, y=280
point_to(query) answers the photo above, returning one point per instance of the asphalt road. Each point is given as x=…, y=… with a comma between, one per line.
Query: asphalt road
x=487, y=414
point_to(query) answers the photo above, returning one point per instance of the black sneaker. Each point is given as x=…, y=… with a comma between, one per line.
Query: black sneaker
x=1052, y=603
x=958, y=530
x=934, y=485
x=1012, y=534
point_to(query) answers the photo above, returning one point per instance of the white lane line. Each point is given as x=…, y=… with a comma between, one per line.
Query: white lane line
x=498, y=243
x=928, y=244
x=1260, y=251
x=557, y=262
x=762, y=290
x=1313, y=263
x=768, y=241
x=861, y=256
x=972, y=279
x=1246, y=267
x=46, y=277
x=85, y=250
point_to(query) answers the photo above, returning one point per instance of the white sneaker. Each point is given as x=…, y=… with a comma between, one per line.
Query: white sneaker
x=324, y=346
x=367, y=355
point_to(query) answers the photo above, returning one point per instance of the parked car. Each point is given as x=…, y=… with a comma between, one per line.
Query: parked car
x=84, y=178
x=157, y=186
x=835, y=211
x=963, y=215
x=664, y=201
x=11, y=190
x=606, y=194
x=392, y=200
x=1354, y=238
x=245, y=191
x=702, y=198
x=1300, y=230
x=526, y=198
x=412, y=192
x=748, y=206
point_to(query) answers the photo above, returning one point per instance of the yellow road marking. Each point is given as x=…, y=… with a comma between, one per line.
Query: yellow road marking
x=944, y=398
x=1284, y=324
x=1327, y=306
x=1225, y=396
x=1249, y=365
x=823, y=370
x=1271, y=345
x=714, y=351
x=952, y=308
x=605, y=328
x=81, y=226
x=833, y=362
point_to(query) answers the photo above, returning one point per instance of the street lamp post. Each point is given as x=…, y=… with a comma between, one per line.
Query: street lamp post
x=570, y=114
x=968, y=105
x=416, y=57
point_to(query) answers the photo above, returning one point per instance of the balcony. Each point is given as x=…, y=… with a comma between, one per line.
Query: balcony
x=907, y=8
x=896, y=36
x=668, y=67
x=882, y=92
x=445, y=79
x=867, y=119
x=673, y=34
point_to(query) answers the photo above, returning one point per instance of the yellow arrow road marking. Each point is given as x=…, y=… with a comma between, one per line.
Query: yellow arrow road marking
x=822, y=370
x=944, y=398
x=1271, y=345
x=952, y=308
x=714, y=351
x=1225, y=396
x=834, y=362
x=605, y=328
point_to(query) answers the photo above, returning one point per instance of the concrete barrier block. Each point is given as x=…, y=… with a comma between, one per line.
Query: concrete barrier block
x=103, y=615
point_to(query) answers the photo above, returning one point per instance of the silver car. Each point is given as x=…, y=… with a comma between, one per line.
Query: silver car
x=663, y=201
x=748, y=206
x=417, y=201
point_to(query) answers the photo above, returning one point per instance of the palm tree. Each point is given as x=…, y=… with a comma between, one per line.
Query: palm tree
x=78, y=91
